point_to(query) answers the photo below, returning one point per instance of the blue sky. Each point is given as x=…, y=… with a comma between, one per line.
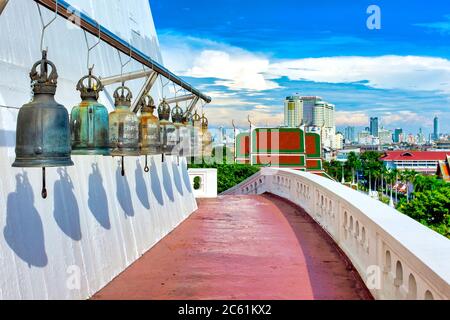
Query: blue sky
x=249, y=55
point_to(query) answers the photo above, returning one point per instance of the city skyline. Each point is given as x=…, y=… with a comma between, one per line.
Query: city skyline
x=398, y=73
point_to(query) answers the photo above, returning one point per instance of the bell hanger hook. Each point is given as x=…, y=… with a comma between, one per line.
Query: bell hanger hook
x=90, y=48
x=44, y=25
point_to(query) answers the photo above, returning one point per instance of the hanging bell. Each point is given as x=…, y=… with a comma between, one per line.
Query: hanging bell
x=123, y=127
x=206, y=138
x=190, y=133
x=149, y=130
x=43, y=132
x=198, y=135
x=177, y=118
x=89, y=120
x=168, y=132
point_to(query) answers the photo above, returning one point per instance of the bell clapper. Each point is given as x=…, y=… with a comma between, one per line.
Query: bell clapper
x=123, y=167
x=44, y=188
x=178, y=160
x=162, y=157
x=146, y=169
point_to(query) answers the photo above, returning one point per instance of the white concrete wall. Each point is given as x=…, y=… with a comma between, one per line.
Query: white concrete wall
x=94, y=223
x=208, y=182
x=397, y=257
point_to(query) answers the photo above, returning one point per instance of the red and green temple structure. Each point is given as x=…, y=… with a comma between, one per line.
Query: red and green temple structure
x=291, y=148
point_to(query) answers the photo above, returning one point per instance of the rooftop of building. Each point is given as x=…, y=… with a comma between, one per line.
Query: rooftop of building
x=407, y=155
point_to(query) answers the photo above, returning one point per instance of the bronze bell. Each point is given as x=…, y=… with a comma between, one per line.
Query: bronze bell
x=149, y=130
x=190, y=134
x=123, y=127
x=43, y=131
x=198, y=135
x=168, y=130
x=89, y=120
x=177, y=118
x=206, y=137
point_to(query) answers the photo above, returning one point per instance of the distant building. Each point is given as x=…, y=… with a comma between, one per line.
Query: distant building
x=308, y=108
x=385, y=136
x=436, y=129
x=443, y=145
x=350, y=135
x=426, y=162
x=293, y=112
x=339, y=141
x=421, y=140
x=398, y=135
x=374, y=127
x=411, y=139
x=362, y=136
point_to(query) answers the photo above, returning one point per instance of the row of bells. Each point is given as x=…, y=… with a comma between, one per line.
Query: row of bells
x=46, y=136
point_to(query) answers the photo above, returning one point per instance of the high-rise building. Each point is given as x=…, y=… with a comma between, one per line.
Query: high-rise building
x=350, y=134
x=398, y=135
x=293, y=111
x=436, y=133
x=363, y=136
x=308, y=109
x=385, y=136
x=374, y=127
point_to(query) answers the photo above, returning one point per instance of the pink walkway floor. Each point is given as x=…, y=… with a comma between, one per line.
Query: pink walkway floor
x=241, y=247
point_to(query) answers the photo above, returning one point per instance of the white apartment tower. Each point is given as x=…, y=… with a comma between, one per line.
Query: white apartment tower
x=293, y=111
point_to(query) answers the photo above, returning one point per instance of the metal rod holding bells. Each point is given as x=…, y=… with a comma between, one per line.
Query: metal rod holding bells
x=64, y=9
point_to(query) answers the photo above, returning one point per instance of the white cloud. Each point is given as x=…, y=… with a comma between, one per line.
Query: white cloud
x=247, y=75
x=240, y=69
x=223, y=116
x=406, y=117
x=347, y=118
x=384, y=72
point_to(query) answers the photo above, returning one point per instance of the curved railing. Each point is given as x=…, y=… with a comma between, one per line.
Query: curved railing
x=397, y=257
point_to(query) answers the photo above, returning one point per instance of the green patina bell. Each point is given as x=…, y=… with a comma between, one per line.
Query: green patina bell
x=123, y=127
x=89, y=120
x=167, y=129
x=43, y=131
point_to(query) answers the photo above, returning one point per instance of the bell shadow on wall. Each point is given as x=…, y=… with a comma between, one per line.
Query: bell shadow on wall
x=167, y=181
x=141, y=187
x=66, y=211
x=123, y=193
x=98, y=200
x=177, y=178
x=24, y=232
x=156, y=183
x=187, y=180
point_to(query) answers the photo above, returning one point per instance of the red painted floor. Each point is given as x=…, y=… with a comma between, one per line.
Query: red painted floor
x=241, y=247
